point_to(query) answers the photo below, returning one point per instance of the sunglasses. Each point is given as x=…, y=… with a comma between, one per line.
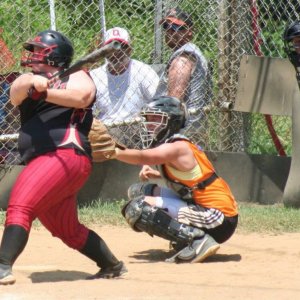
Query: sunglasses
x=173, y=27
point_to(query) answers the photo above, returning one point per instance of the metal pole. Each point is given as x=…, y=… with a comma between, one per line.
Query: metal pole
x=102, y=18
x=291, y=194
x=52, y=14
x=223, y=66
x=157, y=54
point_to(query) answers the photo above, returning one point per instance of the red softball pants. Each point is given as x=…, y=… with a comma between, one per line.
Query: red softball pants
x=46, y=189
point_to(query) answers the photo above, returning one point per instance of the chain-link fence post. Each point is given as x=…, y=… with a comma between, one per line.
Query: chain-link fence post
x=158, y=15
x=52, y=14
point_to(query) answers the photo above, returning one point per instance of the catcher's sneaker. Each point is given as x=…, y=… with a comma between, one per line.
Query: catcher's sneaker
x=6, y=276
x=204, y=248
x=197, y=251
x=110, y=272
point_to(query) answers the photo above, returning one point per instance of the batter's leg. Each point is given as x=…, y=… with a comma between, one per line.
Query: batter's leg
x=13, y=242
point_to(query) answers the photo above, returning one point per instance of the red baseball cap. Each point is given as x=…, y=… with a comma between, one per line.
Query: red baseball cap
x=178, y=17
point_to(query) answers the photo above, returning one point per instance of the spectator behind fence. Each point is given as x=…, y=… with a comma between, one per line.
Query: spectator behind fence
x=4, y=87
x=5, y=107
x=8, y=115
x=186, y=74
x=7, y=61
x=8, y=120
x=124, y=85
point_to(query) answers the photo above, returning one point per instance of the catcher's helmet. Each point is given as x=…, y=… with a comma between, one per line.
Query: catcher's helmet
x=57, y=50
x=161, y=118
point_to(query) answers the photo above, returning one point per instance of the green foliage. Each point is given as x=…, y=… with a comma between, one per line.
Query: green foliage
x=260, y=141
x=272, y=32
x=82, y=25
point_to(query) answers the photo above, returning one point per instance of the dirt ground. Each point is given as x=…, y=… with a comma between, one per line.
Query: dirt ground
x=249, y=266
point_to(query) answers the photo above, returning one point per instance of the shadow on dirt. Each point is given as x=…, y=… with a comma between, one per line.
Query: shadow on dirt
x=158, y=255
x=155, y=255
x=224, y=258
x=57, y=276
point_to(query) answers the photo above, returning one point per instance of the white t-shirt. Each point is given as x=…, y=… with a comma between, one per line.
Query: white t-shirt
x=121, y=97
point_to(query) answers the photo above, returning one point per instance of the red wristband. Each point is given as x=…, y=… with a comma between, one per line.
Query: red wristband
x=35, y=95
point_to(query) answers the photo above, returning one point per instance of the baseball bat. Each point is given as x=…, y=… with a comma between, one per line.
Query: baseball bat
x=89, y=58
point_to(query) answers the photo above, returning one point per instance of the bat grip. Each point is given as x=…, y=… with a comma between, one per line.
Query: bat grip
x=57, y=74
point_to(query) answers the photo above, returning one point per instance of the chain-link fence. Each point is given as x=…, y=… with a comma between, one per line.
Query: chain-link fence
x=224, y=30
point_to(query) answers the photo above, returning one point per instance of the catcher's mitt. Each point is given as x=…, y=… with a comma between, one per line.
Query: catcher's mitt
x=103, y=145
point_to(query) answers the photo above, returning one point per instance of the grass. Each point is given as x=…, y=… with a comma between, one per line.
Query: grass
x=103, y=213
x=269, y=219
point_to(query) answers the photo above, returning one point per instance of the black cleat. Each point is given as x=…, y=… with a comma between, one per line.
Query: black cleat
x=110, y=272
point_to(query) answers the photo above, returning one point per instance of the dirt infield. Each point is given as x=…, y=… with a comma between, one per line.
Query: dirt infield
x=248, y=266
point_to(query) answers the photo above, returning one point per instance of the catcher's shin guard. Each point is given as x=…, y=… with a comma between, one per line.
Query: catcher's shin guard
x=155, y=221
x=96, y=249
x=140, y=189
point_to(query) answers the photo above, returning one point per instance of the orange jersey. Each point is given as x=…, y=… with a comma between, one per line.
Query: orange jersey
x=215, y=195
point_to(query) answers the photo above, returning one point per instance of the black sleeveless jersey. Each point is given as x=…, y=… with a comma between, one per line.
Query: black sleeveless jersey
x=46, y=127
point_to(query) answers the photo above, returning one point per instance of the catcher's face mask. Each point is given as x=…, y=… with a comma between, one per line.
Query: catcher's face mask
x=153, y=123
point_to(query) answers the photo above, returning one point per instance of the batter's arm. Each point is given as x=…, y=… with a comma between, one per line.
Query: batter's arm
x=79, y=93
x=19, y=88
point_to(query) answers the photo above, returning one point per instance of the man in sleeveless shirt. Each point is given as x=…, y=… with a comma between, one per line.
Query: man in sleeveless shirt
x=186, y=75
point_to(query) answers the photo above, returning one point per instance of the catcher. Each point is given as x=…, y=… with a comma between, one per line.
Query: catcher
x=197, y=211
